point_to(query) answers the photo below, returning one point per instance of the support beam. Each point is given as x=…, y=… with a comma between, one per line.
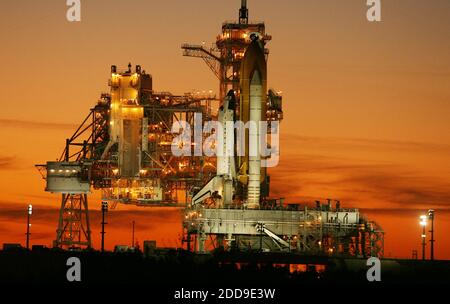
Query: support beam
x=73, y=226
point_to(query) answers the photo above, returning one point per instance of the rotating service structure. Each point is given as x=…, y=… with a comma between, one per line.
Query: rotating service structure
x=124, y=148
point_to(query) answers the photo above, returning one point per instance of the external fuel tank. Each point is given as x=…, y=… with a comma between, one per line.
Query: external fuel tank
x=253, y=85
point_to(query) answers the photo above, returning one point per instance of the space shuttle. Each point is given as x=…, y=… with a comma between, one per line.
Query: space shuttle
x=240, y=176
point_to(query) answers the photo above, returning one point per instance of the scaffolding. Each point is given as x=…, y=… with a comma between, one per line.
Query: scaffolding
x=225, y=56
x=123, y=148
x=91, y=158
x=308, y=231
x=73, y=226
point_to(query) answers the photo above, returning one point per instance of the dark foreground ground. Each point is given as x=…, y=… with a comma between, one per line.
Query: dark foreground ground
x=165, y=273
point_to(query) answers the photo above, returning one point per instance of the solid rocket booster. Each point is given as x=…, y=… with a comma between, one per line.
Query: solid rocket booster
x=254, y=163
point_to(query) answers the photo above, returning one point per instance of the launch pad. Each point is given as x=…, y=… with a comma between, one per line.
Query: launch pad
x=321, y=231
x=125, y=148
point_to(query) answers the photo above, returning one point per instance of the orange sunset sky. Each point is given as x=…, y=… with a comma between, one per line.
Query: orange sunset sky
x=366, y=105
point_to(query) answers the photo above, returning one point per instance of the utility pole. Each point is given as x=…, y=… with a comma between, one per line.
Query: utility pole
x=431, y=217
x=132, y=240
x=30, y=212
x=104, y=210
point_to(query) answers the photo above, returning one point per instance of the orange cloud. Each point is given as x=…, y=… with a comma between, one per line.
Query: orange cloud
x=16, y=123
x=381, y=178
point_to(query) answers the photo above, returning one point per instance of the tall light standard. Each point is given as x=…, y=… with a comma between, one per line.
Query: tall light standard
x=132, y=240
x=104, y=210
x=423, y=223
x=30, y=212
x=431, y=218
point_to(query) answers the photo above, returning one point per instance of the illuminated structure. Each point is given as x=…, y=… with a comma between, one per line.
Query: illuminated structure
x=225, y=57
x=29, y=213
x=124, y=147
x=234, y=209
x=423, y=223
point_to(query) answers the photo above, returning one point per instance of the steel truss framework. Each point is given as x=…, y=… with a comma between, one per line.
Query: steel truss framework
x=73, y=226
x=306, y=232
x=177, y=175
x=181, y=176
x=87, y=147
x=225, y=57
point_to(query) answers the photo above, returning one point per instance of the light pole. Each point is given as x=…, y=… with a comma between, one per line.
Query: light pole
x=104, y=210
x=132, y=241
x=30, y=212
x=431, y=218
x=423, y=223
